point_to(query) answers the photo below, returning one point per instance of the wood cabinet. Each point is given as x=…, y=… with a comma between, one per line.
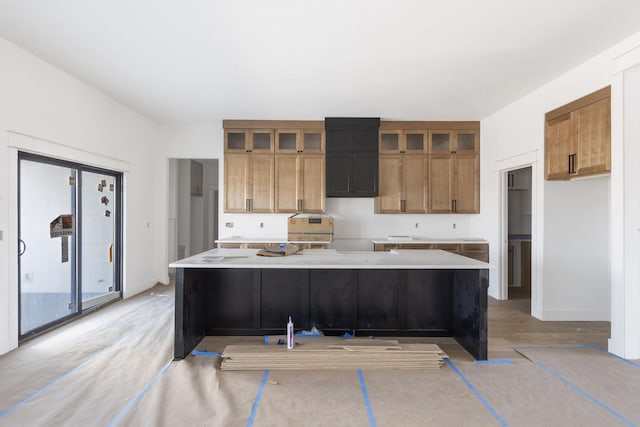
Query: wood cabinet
x=300, y=177
x=454, y=172
x=403, y=172
x=274, y=166
x=249, y=170
x=479, y=251
x=578, y=137
x=249, y=182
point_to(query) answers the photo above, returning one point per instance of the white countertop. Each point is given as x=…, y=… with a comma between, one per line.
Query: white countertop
x=428, y=240
x=268, y=240
x=330, y=258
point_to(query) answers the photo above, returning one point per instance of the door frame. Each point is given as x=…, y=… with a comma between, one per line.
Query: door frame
x=18, y=141
x=503, y=167
x=76, y=291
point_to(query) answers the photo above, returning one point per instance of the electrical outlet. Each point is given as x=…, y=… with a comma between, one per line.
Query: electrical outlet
x=454, y=225
x=1, y=235
x=416, y=225
x=262, y=225
x=228, y=225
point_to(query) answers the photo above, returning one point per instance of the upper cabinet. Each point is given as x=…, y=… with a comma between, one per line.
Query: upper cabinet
x=578, y=137
x=300, y=141
x=248, y=140
x=403, y=172
x=300, y=170
x=352, y=157
x=248, y=170
x=274, y=166
x=454, y=171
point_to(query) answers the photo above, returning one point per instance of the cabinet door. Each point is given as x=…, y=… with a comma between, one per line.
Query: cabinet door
x=338, y=174
x=286, y=199
x=466, y=143
x=311, y=183
x=390, y=141
x=440, y=183
x=236, y=179
x=414, y=183
x=558, y=147
x=261, y=140
x=312, y=141
x=466, y=184
x=594, y=138
x=236, y=141
x=365, y=174
x=287, y=141
x=262, y=182
x=378, y=299
x=332, y=299
x=390, y=194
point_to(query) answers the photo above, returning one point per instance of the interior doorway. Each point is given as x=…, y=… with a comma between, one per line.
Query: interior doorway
x=193, y=207
x=69, y=235
x=519, y=201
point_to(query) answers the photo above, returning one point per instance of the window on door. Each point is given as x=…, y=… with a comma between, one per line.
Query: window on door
x=69, y=240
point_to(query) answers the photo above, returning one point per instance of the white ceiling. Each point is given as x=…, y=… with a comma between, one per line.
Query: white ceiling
x=204, y=60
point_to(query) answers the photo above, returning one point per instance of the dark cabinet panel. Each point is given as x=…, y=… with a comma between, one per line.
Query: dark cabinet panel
x=230, y=307
x=428, y=300
x=365, y=175
x=341, y=140
x=378, y=299
x=338, y=168
x=355, y=139
x=332, y=302
x=373, y=302
x=282, y=294
x=365, y=139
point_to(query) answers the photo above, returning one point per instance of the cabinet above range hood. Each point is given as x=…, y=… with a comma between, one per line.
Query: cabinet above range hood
x=352, y=156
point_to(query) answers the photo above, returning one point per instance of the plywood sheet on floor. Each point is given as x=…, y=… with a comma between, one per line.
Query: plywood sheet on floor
x=327, y=353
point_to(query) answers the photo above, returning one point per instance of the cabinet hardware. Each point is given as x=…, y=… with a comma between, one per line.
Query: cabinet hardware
x=572, y=163
x=299, y=205
x=453, y=205
x=246, y=205
x=403, y=206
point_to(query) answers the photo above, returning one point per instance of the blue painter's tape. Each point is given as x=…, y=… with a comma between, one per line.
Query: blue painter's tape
x=309, y=335
x=634, y=364
x=365, y=396
x=477, y=393
x=254, y=408
x=585, y=394
x=494, y=362
x=136, y=399
x=65, y=375
x=205, y=353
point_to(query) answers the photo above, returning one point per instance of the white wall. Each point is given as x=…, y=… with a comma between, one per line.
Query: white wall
x=71, y=120
x=625, y=201
x=514, y=131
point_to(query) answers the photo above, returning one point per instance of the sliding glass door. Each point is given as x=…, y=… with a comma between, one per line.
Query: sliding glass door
x=69, y=240
x=98, y=248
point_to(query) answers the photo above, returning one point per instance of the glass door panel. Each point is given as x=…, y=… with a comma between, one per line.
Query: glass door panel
x=47, y=233
x=98, y=238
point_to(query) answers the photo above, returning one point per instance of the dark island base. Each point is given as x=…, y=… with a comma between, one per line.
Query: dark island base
x=428, y=303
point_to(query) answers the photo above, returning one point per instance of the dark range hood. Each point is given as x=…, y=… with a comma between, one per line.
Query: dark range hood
x=352, y=156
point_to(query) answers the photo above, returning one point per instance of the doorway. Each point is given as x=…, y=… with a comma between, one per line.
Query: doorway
x=69, y=234
x=193, y=207
x=519, y=198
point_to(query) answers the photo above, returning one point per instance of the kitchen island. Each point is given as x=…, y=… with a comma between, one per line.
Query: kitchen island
x=395, y=293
